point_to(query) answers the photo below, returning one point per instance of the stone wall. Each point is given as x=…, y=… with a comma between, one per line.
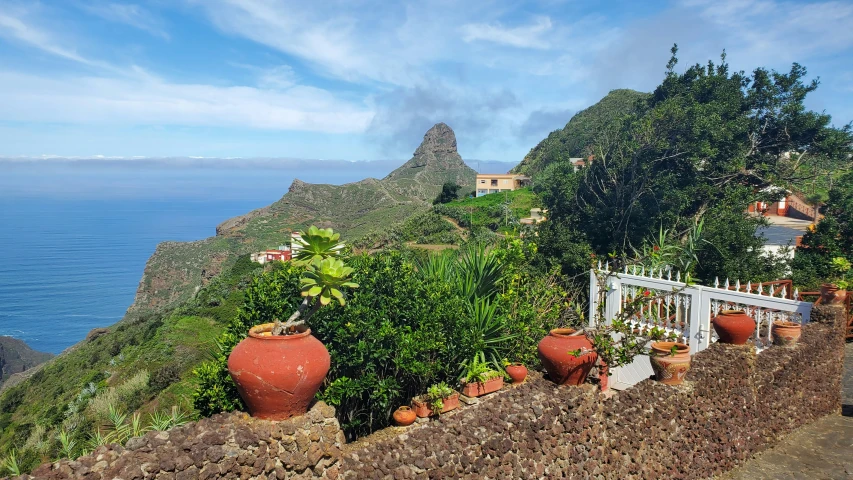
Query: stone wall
x=734, y=404
x=231, y=445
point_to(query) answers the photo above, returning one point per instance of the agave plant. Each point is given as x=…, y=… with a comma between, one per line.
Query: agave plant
x=10, y=464
x=324, y=279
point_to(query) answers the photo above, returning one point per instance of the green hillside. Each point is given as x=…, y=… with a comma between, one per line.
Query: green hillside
x=574, y=139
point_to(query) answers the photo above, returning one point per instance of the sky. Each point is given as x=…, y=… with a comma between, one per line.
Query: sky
x=363, y=79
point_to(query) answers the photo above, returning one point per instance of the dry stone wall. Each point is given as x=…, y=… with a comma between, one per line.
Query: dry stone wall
x=231, y=445
x=734, y=404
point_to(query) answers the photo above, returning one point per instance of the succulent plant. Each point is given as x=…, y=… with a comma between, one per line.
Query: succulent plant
x=325, y=275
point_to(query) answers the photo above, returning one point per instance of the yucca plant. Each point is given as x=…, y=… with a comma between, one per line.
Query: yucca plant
x=324, y=279
x=9, y=464
x=67, y=444
x=488, y=337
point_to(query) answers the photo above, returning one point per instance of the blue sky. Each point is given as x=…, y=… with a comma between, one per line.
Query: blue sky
x=363, y=79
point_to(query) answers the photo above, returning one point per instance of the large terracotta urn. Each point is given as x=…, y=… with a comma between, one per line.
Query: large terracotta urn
x=830, y=294
x=670, y=361
x=278, y=375
x=563, y=367
x=733, y=326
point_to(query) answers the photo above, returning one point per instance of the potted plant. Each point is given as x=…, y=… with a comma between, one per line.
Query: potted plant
x=786, y=333
x=670, y=361
x=834, y=292
x=440, y=398
x=280, y=366
x=481, y=379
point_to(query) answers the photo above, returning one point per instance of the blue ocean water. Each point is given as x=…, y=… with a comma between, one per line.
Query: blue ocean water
x=75, y=236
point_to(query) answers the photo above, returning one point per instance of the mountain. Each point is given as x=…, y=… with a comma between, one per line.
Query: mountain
x=574, y=139
x=16, y=357
x=177, y=270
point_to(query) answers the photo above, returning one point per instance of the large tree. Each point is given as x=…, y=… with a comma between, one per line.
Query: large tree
x=706, y=144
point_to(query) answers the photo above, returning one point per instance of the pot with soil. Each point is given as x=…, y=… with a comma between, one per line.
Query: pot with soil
x=278, y=375
x=404, y=416
x=785, y=333
x=557, y=353
x=670, y=361
x=733, y=326
x=439, y=399
x=517, y=372
x=831, y=294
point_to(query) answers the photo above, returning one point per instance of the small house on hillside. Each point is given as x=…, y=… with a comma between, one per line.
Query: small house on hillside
x=283, y=253
x=500, y=182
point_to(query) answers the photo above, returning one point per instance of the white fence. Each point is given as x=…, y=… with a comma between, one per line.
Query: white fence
x=685, y=310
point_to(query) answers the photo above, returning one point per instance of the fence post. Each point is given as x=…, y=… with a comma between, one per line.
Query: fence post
x=700, y=319
x=613, y=296
x=594, y=299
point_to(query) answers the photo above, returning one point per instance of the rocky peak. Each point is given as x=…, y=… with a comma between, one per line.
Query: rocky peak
x=438, y=140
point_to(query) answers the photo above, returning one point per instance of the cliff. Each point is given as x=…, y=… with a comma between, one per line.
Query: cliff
x=16, y=357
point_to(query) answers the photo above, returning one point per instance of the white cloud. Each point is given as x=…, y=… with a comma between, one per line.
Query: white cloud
x=13, y=27
x=525, y=36
x=128, y=14
x=146, y=100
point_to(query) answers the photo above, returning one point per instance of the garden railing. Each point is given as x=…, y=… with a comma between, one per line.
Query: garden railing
x=685, y=311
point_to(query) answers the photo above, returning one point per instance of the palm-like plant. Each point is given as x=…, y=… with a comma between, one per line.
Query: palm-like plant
x=325, y=276
x=9, y=464
x=487, y=334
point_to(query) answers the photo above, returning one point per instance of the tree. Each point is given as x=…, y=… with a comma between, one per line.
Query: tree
x=448, y=193
x=704, y=146
x=832, y=237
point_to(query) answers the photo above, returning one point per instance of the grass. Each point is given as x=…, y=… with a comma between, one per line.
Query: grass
x=496, y=211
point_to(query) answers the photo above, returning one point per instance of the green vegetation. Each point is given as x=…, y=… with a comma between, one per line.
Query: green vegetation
x=141, y=364
x=436, y=395
x=412, y=322
x=700, y=149
x=449, y=192
x=831, y=239
x=577, y=138
x=498, y=212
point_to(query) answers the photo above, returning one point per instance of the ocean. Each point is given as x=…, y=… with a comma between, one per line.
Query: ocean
x=75, y=235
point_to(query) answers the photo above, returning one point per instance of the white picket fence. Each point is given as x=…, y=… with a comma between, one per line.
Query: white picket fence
x=686, y=310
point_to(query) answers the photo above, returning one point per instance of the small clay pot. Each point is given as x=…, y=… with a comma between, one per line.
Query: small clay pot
x=733, y=326
x=670, y=369
x=404, y=416
x=517, y=372
x=830, y=294
x=786, y=333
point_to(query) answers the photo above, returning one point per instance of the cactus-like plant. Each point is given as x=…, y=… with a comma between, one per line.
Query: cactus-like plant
x=324, y=279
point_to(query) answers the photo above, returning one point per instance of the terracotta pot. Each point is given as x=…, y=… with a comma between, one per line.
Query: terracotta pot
x=423, y=410
x=475, y=389
x=670, y=369
x=562, y=367
x=404, y=416
x=278, y=375
x=517, y=372
x=733, y=326
x=830, y=294
x=786, y=333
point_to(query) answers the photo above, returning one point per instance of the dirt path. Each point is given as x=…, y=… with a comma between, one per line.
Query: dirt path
x=822, y=450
